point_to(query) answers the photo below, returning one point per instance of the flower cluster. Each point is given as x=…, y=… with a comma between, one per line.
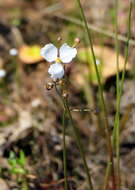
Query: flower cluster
x=58, y=57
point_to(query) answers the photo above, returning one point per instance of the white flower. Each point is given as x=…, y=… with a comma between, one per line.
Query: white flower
x=2, y=73
x=63, y=55
x=56, y=71
x=13, y=52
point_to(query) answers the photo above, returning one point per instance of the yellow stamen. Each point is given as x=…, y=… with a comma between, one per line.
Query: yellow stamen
x=58, y=60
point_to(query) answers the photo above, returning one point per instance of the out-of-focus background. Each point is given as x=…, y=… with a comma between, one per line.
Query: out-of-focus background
x=31, y=117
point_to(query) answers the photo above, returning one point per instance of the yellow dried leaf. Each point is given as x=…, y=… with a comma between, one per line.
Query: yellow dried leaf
x=107, y=57
x=30, y=54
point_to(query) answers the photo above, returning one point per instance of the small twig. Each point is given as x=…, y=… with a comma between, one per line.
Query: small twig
x=17, y=37
x=54, y=183
x=95, y=28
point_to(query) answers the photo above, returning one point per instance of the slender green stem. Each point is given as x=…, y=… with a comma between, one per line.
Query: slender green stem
x=117, y=44
x=107, y=174
x=80, y=146
x=64, y=152
x=77, y=136
x=116, y=132
x=117, y=118
x=94, y=60
x=117, y=57
x=107, y=131
x=127, y=46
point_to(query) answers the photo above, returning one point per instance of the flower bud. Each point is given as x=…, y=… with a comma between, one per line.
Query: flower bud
x=59, y=38
x=49, y=86
x=77, y=40
x=61, y=82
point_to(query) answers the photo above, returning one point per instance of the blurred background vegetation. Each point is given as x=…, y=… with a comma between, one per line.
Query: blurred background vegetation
x=31, y=117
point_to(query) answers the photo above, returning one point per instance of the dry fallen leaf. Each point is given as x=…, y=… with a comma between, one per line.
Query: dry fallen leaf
x=106, y=58
x=30, y=54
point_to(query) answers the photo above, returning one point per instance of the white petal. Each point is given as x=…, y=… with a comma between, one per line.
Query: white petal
x=67, y=53
x=49, y=52
x=13, y=51
x=2, y=73
x=56, y=71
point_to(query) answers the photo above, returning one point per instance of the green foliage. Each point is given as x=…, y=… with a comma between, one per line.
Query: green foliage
x=22, y=159
x=17, y=164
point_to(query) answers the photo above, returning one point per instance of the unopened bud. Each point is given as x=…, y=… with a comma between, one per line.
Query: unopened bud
x=59, y=38
x=77, y=40
x=55, y=80
x=61, y=82
x=49, y=86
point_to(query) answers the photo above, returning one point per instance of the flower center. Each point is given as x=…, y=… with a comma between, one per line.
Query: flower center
x=58, y=60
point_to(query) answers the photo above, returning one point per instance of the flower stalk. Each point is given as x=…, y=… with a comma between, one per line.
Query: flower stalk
x=77, y=136
x=64, y=152
x=80, y=146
